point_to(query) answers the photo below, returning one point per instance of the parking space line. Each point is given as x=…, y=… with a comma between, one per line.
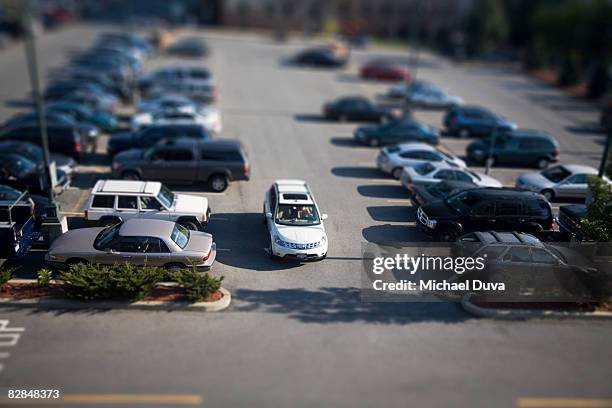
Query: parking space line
x=563, y=403
x=82, y=197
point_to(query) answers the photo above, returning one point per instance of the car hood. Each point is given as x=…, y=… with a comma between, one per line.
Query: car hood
x=438, y=210
x=535, y=180
x=121, y=139
x=75, y=241
x=199, y=242
x=300, y=235
x=574, y=211
x=191, y=204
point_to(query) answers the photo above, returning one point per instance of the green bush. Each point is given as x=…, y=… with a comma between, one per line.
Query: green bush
x=597, y=225
x=6, y=275
x=44, y=277
x=198, y=286
x=88, y=282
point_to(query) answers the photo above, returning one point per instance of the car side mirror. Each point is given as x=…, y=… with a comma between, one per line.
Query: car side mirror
x=324, y=216
x=269, y=215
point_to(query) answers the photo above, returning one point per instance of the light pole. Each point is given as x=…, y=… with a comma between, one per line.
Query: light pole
x=606, y=153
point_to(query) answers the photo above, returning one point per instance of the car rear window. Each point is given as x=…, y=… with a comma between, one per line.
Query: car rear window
x=103, y=201
x=424, y=168
x=221, y=155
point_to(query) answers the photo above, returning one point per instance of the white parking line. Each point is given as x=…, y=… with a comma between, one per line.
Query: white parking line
x=9, y=337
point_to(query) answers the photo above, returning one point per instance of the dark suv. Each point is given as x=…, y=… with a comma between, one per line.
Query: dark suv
x=519, y=147
x=186, y=161
x=482, y=209
x=150, y=135
x=468, y=121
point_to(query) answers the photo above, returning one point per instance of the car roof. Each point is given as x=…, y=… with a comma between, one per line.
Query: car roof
x=408, y=146
x=127, y=186
x=292, y=191
x=530, y=133
x=492, y=192
x=508, y=237
x=146, y=227
x=212, y=144
x=456, y=184
x=579, y=168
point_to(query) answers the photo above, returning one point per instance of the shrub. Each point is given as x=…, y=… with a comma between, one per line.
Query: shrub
x=598, y=223
x=87, y=282
x=6, y=275
x=198, y=286
x=44, y=277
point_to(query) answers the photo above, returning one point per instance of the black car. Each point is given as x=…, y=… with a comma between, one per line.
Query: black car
x=569, y=221
x=150, y=135
x=358, y=108
x=519, y=147
x=35, y=153
x=18, y=172
x=483, y=209
x=467, y=121
x=8, y=193
x=69, y=140
x=320, y=57
x=186, y=161
x=398, y=131
x=425, y=194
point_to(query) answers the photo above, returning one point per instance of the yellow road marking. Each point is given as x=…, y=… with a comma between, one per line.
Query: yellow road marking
x=150, y=399
x=563, y=403
x=82, y=197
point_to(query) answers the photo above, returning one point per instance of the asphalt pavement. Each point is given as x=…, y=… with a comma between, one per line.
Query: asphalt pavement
x=297, y=334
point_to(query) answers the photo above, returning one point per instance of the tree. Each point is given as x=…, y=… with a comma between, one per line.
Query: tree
x=597, y=225
x=486, y=26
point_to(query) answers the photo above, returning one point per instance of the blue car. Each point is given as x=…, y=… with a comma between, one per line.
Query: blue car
x=399, y=131
x=81, y=113
x=469, y=121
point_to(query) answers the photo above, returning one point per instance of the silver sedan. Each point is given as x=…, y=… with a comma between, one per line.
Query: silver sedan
x=137, y=241
x=567, y=180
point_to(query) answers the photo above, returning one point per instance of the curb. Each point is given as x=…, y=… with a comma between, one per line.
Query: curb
x=215, y=306
x=494, y=313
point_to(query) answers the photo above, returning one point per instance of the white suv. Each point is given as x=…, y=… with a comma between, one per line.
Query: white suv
x=294, y=222
x=113, y=201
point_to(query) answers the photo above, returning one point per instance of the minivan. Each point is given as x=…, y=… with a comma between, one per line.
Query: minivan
x=484, y=209
x=186, y=161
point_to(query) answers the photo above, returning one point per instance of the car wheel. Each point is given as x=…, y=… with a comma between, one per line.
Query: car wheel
x=190, y=225
x=464, y=133
x=542, y=163
x=448, y=235
x=373, y=142
x=218, y=183
x=548, y=194
x=174, y=267
x=397, y=172
x=130, y=175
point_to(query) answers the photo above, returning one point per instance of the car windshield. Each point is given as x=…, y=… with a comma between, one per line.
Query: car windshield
x=424, y=168
x=556, y=174
x=295, y=214
x=475, y=175
x=460, y=202
x=107, y=236
x=165, y=196
x=180, y=235
x=19, y=166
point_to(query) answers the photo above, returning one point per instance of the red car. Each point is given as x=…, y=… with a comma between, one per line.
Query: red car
x=386, y=71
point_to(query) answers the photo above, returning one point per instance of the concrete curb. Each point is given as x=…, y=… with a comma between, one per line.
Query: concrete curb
x=506, y=314
x=215, y=306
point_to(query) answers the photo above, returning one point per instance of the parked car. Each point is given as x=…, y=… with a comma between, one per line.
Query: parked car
x=209, y=118
x=563, y=181
x=425, y=194
x=294, y=222
x=31, y=118
x=34, y=153
x=170, y=75
x=104, y=120
x=68, y=140
x=398, y=131
x=435, y=172
x=484, y=209
x=40, y=203
x=23, y=174
x=150, y=135
x=393, y=159
x=17, y=227
x=114, y=201
x=431, y=97
x=403, y=90
x=320, y=57
x=468, y=121
x=518, y=147
x=385, y=70
x=199, y=91
x=137, y=241
x=570, y=219
x=167, y=101
x=186, y=161
x=188, y=47
x=358, y=108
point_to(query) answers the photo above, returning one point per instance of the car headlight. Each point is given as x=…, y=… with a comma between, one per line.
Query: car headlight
x=431, y=224
x=279, y=241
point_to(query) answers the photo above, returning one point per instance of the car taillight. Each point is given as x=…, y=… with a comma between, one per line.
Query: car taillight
x=207, y=255
x=553, y=223
x=557, y=152
x=245, y=170
x=85, y=214
x=77, y=146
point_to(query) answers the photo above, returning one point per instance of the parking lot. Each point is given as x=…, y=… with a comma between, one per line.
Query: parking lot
x=284, y=311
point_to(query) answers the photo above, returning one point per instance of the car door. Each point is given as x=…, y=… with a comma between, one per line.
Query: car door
x=508, y=216
x=362, y=110
x=575, y=186
x=509, y=150
x=528, y=152
x=127, y=206
x=156, y=252
x=482, y=217
x=515, y=271
x=149, y=205
x=132, y=250
x=270, y=207
x=180, y=165
x=445, y=174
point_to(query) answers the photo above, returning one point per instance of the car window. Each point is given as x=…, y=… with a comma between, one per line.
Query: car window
x=535, y=208
x=541, y=256
x=484, y=209
x=127, y=202
x=180, y=235
x=152, y=245
x=508, y=208
x=445, y=175
x=433, y=156
x=492, y=251
x=461, y=176
x=180, y=155
x=150, y=203
x=412, y=155
x=578, y=179
x=130, y=244
x=103, y=201
x=517, y=254
x=218, y=155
